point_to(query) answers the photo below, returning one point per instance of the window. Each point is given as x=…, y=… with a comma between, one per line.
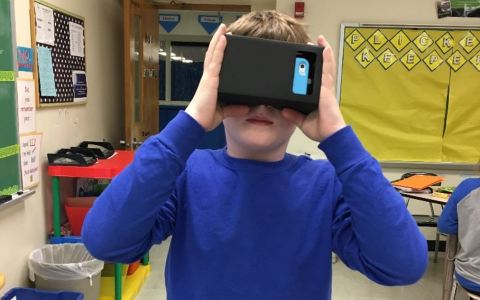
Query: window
x=181, y=67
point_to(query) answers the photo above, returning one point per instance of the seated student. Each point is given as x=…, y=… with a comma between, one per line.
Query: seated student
x=461, y=216
x=251, y=221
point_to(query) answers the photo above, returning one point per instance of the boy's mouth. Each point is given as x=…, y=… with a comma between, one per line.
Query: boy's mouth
x=259, y=121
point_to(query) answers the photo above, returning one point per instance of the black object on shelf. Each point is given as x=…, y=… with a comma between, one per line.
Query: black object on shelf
x=72, y=157
x=101, y=150
x=5, y=198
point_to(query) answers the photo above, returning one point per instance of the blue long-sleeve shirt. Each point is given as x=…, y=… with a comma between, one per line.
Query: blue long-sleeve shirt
x=244, y=229
x=461, y=216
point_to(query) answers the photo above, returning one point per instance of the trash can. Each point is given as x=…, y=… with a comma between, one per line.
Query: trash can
x=66, y=267
x=29, y=294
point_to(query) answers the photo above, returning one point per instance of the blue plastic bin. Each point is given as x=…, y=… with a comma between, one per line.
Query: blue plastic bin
x=34, y=294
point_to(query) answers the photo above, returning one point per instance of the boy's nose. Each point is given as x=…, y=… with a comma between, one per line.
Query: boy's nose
x=265, y=107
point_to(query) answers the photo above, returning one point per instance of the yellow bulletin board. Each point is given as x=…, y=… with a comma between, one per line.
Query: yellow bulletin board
x=412, y=93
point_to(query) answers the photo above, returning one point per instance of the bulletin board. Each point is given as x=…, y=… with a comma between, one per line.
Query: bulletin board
x=9, y=148
x=411, y=92
x=59, y=44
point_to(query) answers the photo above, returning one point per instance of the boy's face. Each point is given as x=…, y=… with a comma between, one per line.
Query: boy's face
x=261, y=134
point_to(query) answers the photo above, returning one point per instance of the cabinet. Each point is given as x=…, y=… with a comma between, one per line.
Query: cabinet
x=103, y=169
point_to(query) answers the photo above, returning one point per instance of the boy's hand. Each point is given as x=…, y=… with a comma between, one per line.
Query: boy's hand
x=204, y=107
x=328, y=119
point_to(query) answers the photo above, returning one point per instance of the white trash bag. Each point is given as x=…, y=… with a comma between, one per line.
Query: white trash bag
x=63, y=262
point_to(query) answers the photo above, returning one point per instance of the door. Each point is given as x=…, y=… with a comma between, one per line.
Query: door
x=141, y=47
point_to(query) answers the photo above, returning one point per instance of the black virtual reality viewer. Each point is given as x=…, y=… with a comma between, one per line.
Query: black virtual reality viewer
x=281, y=74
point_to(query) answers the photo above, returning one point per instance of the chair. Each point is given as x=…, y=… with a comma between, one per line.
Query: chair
x=471, y=295
x=463, y=256
x=430, y=220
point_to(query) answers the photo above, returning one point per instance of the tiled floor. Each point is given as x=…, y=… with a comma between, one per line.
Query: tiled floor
x=347, y=285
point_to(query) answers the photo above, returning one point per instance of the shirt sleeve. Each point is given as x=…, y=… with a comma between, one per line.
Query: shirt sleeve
x=448, y=221
x=138, y=207
x=373, y=232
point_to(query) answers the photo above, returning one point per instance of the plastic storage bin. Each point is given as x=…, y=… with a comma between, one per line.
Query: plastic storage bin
x=133, y=267
x=30, y=294
x=66, y=267
x=75, y=216
x=76, y=209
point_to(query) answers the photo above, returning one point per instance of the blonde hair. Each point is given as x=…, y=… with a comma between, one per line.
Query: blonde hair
x=270, y=24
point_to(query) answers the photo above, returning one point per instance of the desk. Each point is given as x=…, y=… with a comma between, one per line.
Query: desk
x=424, y=197
x=428, y=220
x=102, y=169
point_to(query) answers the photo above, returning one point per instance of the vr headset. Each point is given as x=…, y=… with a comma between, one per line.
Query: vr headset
x=259, y=71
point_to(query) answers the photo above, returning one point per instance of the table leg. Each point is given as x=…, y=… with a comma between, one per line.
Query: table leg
x=145, y=259
x=56, y=206
x=118, y=281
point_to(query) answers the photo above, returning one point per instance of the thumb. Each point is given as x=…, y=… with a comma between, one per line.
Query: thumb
x=293, y=116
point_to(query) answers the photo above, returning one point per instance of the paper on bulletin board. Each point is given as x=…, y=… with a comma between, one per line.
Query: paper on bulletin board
x=79, y=79
x=76, y=39
x=44, y=21
x=26, y=105
x=30, y=159
x=45, y=72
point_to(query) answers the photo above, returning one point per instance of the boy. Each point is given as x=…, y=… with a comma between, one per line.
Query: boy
x=250, y=221
x=461, y=217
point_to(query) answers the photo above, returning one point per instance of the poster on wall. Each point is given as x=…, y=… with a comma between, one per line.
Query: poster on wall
x=29, y=156
x=444, y=9
x=26, y=105
x=25, y=59
x=458, y=8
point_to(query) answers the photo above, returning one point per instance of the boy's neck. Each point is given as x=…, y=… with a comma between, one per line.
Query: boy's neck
x=267, y=156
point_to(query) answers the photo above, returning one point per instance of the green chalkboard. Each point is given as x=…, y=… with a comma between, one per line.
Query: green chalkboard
x=9, y=149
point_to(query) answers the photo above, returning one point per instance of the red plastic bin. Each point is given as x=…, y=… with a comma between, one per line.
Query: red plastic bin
x=76, y=209
x=133, y=267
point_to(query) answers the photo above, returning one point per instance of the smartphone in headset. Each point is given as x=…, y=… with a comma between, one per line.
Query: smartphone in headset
x=280, y=74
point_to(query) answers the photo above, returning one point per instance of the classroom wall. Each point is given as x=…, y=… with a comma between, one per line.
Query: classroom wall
x=23, y=227
x=265, y=4
x=325, y=17
x=189, y=19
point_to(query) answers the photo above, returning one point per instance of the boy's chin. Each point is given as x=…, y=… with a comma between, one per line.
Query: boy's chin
x=260, y=144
